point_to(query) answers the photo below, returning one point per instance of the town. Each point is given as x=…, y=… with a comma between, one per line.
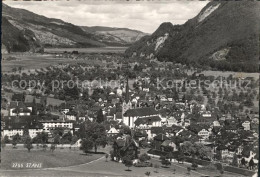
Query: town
x=190, y=117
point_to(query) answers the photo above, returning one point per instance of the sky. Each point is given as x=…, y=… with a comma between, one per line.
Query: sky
x=144, y=16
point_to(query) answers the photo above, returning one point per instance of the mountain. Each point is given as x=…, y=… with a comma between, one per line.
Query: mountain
x=21, y=27
x=23, y=30
x=224, y=36
x=114, y=36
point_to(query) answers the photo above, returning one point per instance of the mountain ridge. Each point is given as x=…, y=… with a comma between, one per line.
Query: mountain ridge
x=224, y=35
x=114, y=35
x=23, y=31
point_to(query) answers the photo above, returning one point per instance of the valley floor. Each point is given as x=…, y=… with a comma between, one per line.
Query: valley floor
x=78, y=164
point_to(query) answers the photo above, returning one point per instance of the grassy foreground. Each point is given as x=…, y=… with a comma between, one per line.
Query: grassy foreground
x=10, y=158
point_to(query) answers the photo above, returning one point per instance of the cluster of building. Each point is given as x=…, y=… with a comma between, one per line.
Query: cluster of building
x=156, y=117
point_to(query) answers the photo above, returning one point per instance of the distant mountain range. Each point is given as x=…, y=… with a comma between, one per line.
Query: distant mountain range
x=23, y=31
x=114, y=36
x=224, y=35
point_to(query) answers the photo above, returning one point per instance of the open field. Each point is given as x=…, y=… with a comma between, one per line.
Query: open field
x=74, y=163
x=47, y=159
x=87, y=50
x=227, y=73
x=36, y=61
x=102, y=168
x=202, y=170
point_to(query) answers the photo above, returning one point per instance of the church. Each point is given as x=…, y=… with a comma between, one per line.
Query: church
x=139, y=117
x=142, y=117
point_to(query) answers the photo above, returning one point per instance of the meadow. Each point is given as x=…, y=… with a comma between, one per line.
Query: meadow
x=87, y=50
x=47, y=159
x=36, y=61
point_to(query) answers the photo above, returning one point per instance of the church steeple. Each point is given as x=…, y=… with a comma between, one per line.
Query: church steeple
x=127, y=91
x=126, y=103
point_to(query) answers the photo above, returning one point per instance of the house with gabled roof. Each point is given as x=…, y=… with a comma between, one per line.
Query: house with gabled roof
x=158, y=140
x=168, y=143
x=71, y=115
x=246, y=125
x=124, y=146
x=204, y=133
x=19, y=108
x=112, y=131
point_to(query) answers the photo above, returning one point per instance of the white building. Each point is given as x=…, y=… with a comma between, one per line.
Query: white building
x=12, y=132
x=19, y=108
x=71, y=115
x=204, y=133
x=246, y=125
x=33, y=132
x=216, y=123
x=141, y=116
x=51, y=125
x=112, y=131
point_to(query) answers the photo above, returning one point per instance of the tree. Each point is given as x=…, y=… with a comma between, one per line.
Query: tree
x=177, y=140
x=194, y=166
x=249, y=102
x=58, y=131
x=56, y=140
x=97, y=134
x=202, y=151
x=243, y=161
x=188, y=170
x=66, y=138
x=14, y=143
x=180, y=157
x=52, y=147
x=85, y=95
x=3, y=144
x=41, y=138
x=100, y=116
x=74, y=139
x=246, y=150
x=128, y=163
x=166, y=163
x=221, y=172
x=147, y=173
x=15, y=140
x=125, y=130
x=188, y=148
x=218, y=155
x=251, y=163
x=169, y=156
x=86, y=145
x=156, y=166
x=162, y=158
x=28, y=143
x=44, y=146
x=234, y=161
x=106, y=157
x=72, y=93
x=6, y=139
x=144, y=157
x=112, y=155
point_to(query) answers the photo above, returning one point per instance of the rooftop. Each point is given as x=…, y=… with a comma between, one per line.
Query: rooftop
x=140, y=112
